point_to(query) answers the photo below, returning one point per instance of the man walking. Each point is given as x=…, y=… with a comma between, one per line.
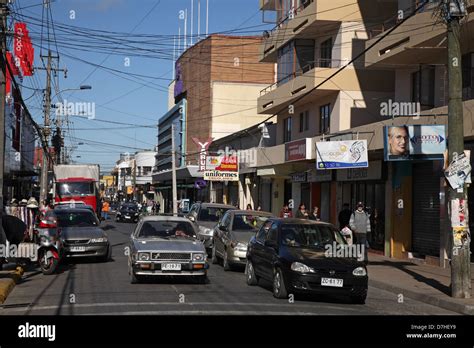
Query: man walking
x=360, y=226
x=344, y=216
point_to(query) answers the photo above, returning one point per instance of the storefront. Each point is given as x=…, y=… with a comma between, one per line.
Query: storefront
x=366, y=185
x=320, y=190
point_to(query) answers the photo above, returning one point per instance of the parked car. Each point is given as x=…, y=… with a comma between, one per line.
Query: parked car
x=128, y=212
x=72, y=205
x=166, y=246
x=232, y=234
x=81, y=235
x=114, y=207
x=291, y=253
x=206, y=216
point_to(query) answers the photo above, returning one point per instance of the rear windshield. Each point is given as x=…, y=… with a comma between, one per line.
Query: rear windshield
x=164, y=229
x=212, y=214
x=75, y=188
x=306, y=235
x=76, y=219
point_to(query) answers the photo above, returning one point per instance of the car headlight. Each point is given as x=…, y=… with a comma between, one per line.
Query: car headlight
x=360, y=272
x=143, y=256
x=206, y=231
x=198, y=257
x=99, y=240
x=301, y=268
x=241, y=247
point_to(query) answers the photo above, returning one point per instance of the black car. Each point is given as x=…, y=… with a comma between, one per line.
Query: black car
x=128, y=212
x=304, y=256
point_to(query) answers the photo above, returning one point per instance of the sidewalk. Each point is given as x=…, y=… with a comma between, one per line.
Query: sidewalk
x=424, y=283
x=10, y=275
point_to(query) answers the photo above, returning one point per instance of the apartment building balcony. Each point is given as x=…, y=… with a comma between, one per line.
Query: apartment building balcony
x=419, y=40
x=276, y=97
x=311, y=19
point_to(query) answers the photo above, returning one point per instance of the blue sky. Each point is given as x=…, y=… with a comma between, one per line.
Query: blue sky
x=116, y=98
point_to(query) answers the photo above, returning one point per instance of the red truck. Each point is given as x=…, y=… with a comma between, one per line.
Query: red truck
x=77, y=182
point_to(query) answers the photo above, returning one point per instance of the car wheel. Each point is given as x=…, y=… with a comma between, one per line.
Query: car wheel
x=107, y=256
x=252, y=278
x=214, y=258
x=226, y=264
x=279, y=287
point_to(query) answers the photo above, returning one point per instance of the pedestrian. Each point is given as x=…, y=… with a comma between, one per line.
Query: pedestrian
x=314, y=215
x=344, y=216
x=105, y=210
x=285, y=212
x=302, y=213
x=33, y=212
x=249, y=206
x=360, y=225
x=158, y=207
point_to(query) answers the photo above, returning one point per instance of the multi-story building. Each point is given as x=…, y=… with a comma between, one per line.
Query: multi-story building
x=311, y=42
x=214, y=94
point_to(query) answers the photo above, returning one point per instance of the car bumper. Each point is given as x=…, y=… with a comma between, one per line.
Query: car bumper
x=308, y=283
x=154, y=269
x=90, y=251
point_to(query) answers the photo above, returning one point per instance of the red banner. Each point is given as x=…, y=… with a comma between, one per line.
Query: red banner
x=23, y=49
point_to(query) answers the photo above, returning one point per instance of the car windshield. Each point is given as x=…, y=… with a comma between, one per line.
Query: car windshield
x=212, y=214
x=166, y=229
x=129, y=207
x=76, y=188
x=310, y=235
x=248, y=222
x=76, y=219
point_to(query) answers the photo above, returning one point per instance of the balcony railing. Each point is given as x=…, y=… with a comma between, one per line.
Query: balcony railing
x=319, y=63
x=289, y=17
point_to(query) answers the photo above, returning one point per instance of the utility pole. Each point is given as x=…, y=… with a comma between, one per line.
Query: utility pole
x=454, y=11
x=46, y=133
x=3, y=80
x=135, y=178
x=173, y=172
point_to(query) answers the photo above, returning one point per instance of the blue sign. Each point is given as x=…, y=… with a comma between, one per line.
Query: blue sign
x=200, y=184
x=414, y=142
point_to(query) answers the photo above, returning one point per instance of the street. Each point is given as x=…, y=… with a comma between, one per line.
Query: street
x=94, y=288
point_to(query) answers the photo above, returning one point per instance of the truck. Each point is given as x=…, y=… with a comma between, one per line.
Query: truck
x=78, y=183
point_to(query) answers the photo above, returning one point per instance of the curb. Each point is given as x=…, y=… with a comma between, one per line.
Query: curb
x=8, y=283
x=432, y=300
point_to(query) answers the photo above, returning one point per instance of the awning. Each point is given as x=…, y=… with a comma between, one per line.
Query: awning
x=188, y=172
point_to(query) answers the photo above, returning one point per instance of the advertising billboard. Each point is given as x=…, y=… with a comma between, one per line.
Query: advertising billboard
x=414, y=142
x=226, y=170
x=341, y=154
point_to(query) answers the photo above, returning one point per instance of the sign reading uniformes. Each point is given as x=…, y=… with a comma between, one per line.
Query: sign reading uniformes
x=341, y=154
x=226, y=170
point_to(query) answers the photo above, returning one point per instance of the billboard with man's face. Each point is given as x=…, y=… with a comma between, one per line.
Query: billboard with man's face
x=414, y=142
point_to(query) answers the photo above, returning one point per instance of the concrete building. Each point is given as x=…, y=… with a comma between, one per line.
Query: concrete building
x=214, y=94
x=310, y=42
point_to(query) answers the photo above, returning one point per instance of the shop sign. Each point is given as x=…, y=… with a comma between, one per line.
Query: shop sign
x=226, y=170
x=458, y=171
x=414, y=142
x=202, y=152
x=372, y=172
x=341, y=154
x=319, y=175
x=298, y=177
x=298, y=150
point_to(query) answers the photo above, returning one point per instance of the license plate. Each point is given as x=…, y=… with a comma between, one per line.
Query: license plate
x=171, y=267
x=332, y=282
x=78, y=248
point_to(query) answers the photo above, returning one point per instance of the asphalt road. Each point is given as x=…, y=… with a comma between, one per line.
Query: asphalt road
x=94, y=288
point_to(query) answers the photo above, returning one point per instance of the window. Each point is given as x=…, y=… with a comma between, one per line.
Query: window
x=261, y=235
x=423, y=87
x=325, y=118
x=146, y=170
x=273, y=233
x=294, y=59
x=325, y=54
x=467, y=76
x=287, y=130
x=225, y=221
x=304, y=121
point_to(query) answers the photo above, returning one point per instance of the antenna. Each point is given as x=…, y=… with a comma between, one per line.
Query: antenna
x=192, y=20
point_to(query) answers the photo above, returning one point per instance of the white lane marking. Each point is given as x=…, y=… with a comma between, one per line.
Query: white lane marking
x=209, y=312
x=109, y=304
